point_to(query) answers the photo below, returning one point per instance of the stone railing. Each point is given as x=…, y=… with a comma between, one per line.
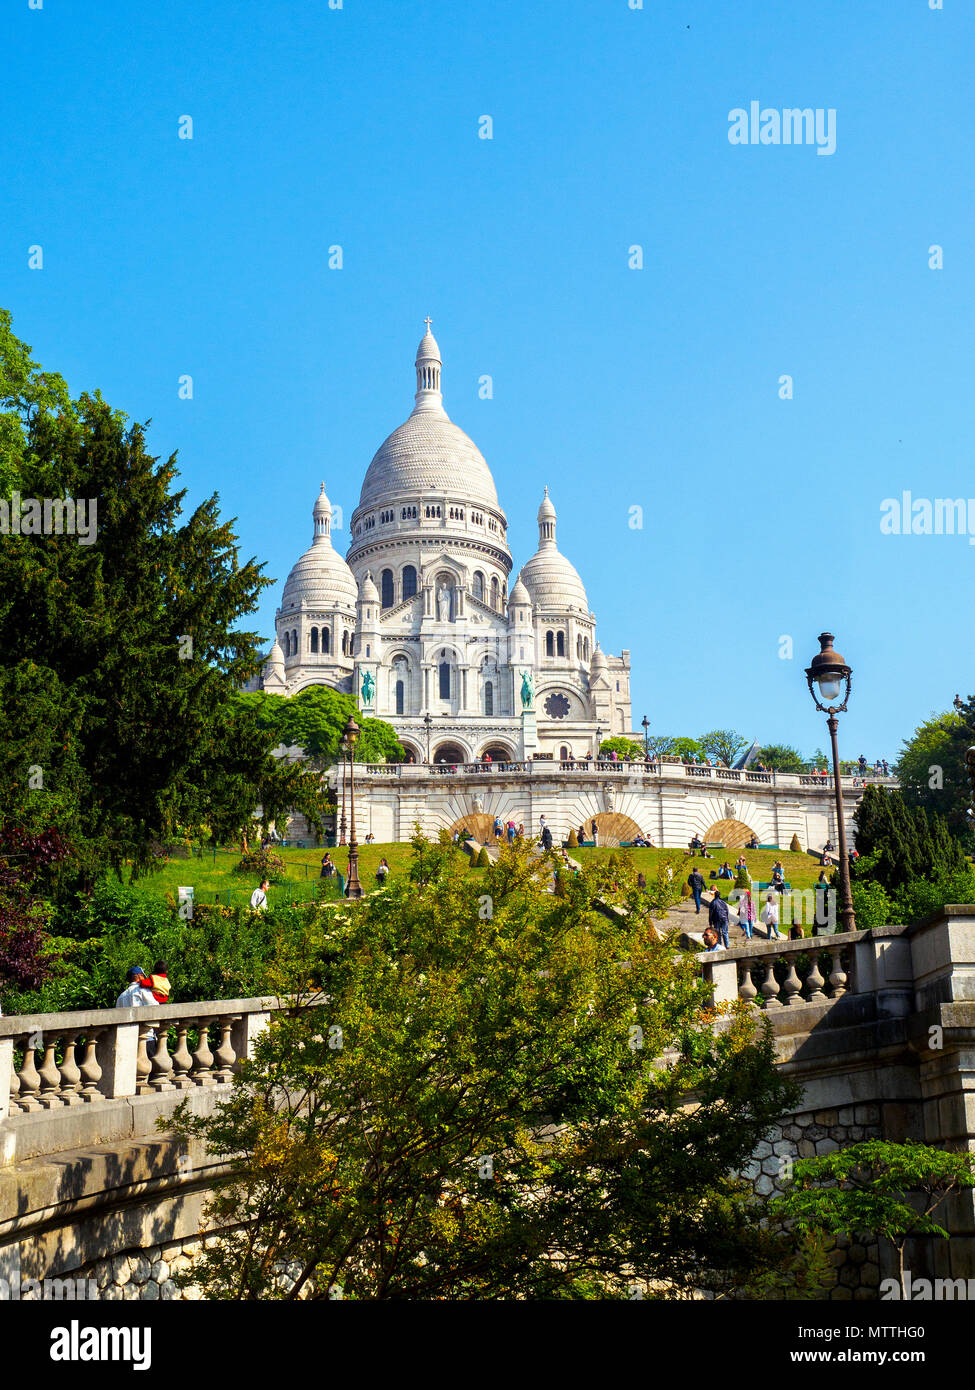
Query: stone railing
x=776, y=974
x=582, y=767
x=55, y=1061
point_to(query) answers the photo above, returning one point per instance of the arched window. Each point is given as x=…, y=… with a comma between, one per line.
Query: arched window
x=564, y=753
x=313, y=640
x=488, y=697
x=585, y=648
x=560, y=644
x=478, y=586
x=409, y=581
x=400, y=697
x=549, y=644
x=387, y=588
x=326, y=639
x=445, y=680
x=345, y=644
x=495, y=592
x=294, y=640
x=287, y=646
x=579, y=647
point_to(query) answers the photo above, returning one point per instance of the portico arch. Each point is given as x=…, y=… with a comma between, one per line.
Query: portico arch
x=733, y=834
x=612, y=828
x=498, y=752
x=450, y=751
x=479, y=826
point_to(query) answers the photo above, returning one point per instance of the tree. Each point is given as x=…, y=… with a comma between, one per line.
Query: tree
x=626, y=748
x=682, y=748
x=931, y=768
x=122, y=646
x=27, y=863
x=472, y=1106
x=782, y=757
x=899, y=845
x=314, y=720
x=890, y=1190
x=723, y=745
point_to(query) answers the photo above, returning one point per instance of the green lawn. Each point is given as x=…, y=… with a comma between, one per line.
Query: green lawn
x=213, y=880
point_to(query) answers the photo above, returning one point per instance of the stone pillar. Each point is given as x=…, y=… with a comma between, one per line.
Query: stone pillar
x=117, y=1051
x=529, y=733
x=6, y=1076
x=245, y=1030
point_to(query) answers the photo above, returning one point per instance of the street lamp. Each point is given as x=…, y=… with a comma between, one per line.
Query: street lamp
x=599, y=739
x=646, y=736
x=353, y=888
x=830, y=673
x=428, y=725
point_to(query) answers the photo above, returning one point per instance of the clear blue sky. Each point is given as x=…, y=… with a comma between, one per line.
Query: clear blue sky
x=619, y=388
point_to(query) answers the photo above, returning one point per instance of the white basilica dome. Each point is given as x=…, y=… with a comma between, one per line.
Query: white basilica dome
x=320, y=577
x=551, y=579
x=428, y=454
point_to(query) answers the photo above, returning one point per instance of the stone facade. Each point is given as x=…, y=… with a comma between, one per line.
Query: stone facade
x=418, y=619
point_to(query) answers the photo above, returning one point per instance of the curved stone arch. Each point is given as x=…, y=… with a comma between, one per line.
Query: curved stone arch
x=578, y=704
x=412, y=746
x=480, y=825
x=306, y=682
x=451, y=742
x=733, y=834
x=505, y=750
x=612, y=828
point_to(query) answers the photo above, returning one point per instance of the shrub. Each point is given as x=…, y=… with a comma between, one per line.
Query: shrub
x=483, y=860
x=794, y=846
x=573, y=840
x=871, y=904
x=742, y=878
x=261, y=864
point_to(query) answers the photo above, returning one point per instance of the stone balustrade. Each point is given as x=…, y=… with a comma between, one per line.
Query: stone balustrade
x=639, y=767
x=52, y=1062
x=777, y=974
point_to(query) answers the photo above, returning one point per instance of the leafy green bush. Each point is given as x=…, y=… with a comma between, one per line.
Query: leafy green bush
x=262, y=864
x=871, y=904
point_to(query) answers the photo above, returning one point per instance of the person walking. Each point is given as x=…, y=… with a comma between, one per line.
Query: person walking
x=718, y=917
x=498, y=828
x=259, y=896
x=328, y=868
x=696, y=883
x=546, y=838
x=770, y=916
x=746, y=914
x=594, y=832
x=511, y=832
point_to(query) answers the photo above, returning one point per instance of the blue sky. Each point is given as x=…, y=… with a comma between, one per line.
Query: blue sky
x=655, y=388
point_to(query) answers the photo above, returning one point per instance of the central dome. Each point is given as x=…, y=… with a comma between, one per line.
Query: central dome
x=428, y=453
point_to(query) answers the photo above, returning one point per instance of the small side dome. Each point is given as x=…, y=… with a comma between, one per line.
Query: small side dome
x=519, y=595
x=368, y=593
x=322, y=505
x=546, y=511
x=599, y=662
x=428, y=351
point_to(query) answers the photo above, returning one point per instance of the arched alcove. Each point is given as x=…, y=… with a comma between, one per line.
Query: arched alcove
x=733, y=834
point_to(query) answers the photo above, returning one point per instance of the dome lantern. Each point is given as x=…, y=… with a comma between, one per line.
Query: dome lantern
x=428, y=368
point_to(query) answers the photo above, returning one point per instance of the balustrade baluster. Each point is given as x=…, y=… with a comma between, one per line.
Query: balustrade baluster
x=837, y=976
x=770, y=986
x=182, y=1058
x=203, y=1057
x=70, y=1073
x=747, y=990
x=50, y=1076
x=162, y=1063
x=14, y=1103
x=814, y=982
x=143, y=1066
x=29, y=1079
x=225, y=1054
x=791, y=985
x=91, y=1072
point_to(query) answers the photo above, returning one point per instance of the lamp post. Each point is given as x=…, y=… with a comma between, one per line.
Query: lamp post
x=646, y=736
x=353, y=888
x=599, y=739
x=831, y=674
x=428, y=725
x=342, y=821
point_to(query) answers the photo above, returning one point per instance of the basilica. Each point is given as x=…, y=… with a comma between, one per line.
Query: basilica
x=419, y=622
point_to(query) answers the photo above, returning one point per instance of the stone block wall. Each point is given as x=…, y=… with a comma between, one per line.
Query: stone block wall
x=805, y=1135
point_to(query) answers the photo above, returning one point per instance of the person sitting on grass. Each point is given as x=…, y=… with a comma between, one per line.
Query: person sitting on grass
x=382, y=872
x=725, y=870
